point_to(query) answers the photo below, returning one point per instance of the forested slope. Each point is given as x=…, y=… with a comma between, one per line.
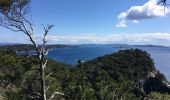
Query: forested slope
x=127, y=74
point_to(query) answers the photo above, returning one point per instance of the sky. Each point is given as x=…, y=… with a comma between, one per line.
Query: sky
x=97, y=22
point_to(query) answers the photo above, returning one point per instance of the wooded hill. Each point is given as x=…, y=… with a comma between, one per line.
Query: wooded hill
x=127, y=74
x=30, y=47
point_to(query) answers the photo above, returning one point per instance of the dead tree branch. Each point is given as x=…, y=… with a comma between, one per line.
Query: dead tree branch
x=54, y=94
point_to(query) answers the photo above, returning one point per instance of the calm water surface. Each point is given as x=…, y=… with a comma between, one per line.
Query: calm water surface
x=160, y=55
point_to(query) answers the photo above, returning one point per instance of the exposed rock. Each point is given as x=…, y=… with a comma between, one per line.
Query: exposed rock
x=155, y=82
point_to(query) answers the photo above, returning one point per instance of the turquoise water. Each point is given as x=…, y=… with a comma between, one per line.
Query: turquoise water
x=160, y=55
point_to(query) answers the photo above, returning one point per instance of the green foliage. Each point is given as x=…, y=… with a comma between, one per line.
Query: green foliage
x=19, y=76
x=159, y=96
x=25, y=48
x=7, y=6
x=112, y=77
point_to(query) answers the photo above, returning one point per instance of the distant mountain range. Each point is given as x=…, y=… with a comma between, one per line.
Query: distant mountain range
x=6, y=43
x=114, y=45
x=29, y=47
x=127, y=46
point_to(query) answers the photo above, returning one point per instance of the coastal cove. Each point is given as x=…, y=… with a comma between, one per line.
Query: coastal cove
x=159, y=54
x=84, y=50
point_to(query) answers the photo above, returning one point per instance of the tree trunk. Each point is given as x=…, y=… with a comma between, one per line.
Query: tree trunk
x=42, y=82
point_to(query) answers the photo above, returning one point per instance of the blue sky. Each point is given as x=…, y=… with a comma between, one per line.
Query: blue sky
x=98, y=21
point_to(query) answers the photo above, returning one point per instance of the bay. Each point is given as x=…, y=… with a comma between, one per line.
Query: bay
x=159, y=54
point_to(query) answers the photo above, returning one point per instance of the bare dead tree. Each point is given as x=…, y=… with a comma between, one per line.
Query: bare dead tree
x=14, y=16
x=163, y=3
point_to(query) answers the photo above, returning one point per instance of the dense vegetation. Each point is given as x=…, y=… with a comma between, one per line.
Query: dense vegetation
x=29, y=47
x=127, y=75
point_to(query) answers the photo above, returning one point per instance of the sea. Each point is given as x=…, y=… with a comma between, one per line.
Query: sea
x=159, y=54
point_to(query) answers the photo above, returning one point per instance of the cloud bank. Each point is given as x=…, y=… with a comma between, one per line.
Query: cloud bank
x=146, y=38
x=147, y=11
x=142, y=38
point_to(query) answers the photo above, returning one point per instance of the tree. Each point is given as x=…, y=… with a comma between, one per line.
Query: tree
x=14, y=15
x=163, y=2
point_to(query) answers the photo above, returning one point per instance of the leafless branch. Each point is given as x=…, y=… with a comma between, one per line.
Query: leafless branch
x=164, y=3
x=48, y=75
x=44, y=65
x=55, y=93
x=13, y=17
x=47, y=89
x=46, y=30
x=46, y=53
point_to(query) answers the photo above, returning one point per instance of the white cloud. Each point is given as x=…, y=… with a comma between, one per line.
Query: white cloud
x=145, y=38
x=142, y=38
x=135, y=21
x=122, y=23
x=147, y=11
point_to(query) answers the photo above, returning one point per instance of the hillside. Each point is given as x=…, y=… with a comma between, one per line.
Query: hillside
x=134, y=66
x=127, y=74
x=29, y=47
